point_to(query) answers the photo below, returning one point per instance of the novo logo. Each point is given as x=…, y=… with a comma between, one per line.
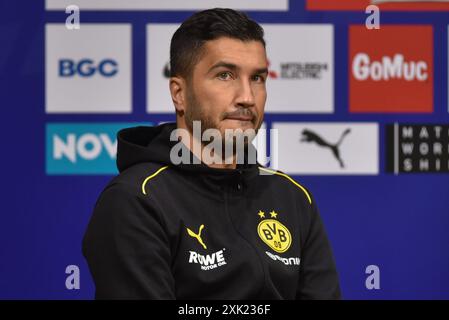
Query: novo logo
x=310, y=136
x=396, y=67
x=87, y=68
x=87, y=146
x=82, y=148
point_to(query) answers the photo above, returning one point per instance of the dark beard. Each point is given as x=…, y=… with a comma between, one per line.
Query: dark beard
x=195, y=112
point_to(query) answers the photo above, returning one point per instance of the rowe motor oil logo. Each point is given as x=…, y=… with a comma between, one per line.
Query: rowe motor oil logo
x=206, y=261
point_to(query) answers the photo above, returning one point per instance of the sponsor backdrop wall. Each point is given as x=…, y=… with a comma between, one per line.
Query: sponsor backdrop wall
x=361, y=117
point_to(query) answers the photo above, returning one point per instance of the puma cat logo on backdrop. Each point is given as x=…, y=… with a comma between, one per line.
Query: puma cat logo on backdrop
x=310, y=136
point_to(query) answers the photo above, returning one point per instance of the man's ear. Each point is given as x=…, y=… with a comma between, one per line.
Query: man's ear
x=178, y=93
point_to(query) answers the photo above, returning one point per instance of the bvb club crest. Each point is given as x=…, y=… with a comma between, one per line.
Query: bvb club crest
x=274, y=233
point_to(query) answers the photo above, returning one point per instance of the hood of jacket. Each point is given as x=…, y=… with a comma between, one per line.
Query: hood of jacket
x=152, y=144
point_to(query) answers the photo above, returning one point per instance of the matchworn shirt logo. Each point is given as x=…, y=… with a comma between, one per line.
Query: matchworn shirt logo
x=274, y=233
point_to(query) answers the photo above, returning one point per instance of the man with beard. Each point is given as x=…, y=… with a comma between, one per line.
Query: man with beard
x=192, y=215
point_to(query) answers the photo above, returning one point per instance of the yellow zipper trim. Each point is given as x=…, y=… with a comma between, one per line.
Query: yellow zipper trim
x=151, y=177
x=290, y=179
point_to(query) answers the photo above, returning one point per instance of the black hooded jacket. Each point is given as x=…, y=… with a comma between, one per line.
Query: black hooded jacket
x=188, y=231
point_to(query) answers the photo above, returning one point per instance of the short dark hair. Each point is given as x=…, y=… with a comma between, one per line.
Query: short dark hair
x=187, y=42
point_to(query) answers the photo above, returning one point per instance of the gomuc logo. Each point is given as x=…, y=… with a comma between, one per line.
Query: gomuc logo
x=82, y=148
x=387, y=75
x=396, y=67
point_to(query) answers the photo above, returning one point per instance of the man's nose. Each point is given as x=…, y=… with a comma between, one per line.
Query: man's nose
x=245, y=93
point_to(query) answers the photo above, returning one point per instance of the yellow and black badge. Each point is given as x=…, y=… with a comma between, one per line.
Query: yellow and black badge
x=274, y=233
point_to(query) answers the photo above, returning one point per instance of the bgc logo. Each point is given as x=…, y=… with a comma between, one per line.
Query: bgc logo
x=87, y=68
x=387, y=75
x=88, y=71
x=82, y=148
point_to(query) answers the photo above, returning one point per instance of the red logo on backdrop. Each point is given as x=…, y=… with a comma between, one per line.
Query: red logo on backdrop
x=391, y=69
x=360, y=5
x=271, y=73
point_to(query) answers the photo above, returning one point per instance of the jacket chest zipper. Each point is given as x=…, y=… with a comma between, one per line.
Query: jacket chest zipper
x=252, y=247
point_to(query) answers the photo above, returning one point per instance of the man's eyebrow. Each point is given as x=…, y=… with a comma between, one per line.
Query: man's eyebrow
x=261, y=71
x=223, y=64
x=232, y=66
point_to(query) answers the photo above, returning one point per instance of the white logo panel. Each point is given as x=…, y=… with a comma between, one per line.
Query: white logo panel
x=88, y=70
x=301, y=68
x=158, y=58
x=278, y=5
x=326, y=148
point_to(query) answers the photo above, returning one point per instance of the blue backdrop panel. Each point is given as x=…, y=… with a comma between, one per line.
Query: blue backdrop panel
x=398, y=223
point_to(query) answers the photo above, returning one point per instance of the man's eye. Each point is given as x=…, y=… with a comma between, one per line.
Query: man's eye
x=258, y=78
x=225, y=75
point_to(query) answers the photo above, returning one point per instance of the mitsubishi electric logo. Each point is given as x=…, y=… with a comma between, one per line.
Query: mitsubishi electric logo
x=303, y=70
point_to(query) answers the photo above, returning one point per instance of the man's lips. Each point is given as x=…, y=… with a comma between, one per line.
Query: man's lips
x=241, y=118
